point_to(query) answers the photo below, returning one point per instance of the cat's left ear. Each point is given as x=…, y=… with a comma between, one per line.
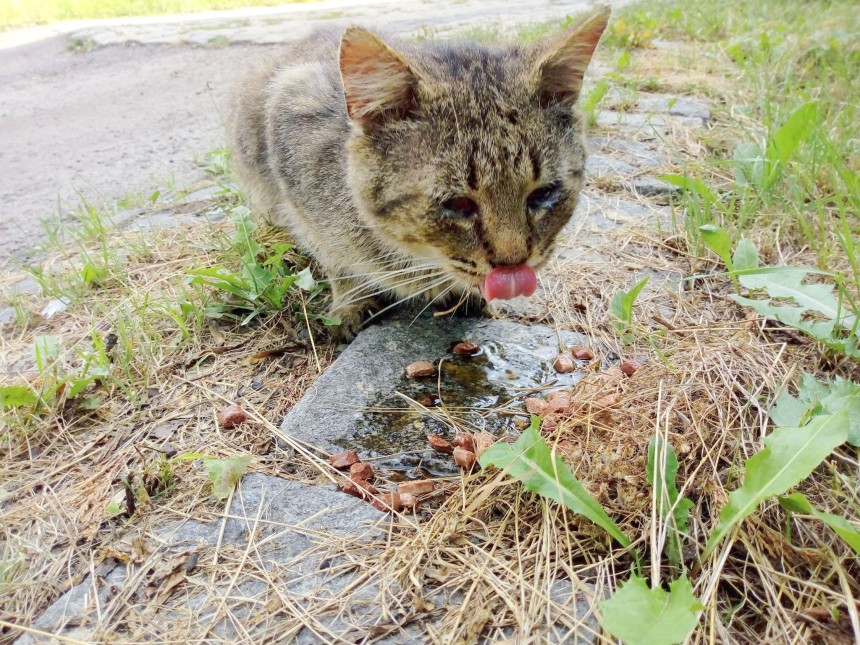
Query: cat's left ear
x=377, y=81
x=561, y=61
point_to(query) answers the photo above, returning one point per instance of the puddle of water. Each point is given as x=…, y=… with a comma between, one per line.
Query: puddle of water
x=475, y=392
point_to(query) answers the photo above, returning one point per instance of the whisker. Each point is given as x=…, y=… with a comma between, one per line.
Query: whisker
x=438, y=283
x=441, y=293
x=358, y=295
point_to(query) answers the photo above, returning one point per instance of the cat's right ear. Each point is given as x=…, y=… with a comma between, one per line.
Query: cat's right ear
x=377, y=82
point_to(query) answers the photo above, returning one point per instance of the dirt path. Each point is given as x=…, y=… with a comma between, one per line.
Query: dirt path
x=134, y=113
x=107, y=123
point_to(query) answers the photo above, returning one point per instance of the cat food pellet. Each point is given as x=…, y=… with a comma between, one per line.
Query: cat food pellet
x=387, y=502
x=361, y=471
x=630, y=367
x=466, y=348
x=231, y=416
x=419, y=369
x=407, y=500
x=483, y=440
x=417, y=487
x=439, y=444
x=582, y=353
x=557, y=401
x=343, y=459
x=536, y=406
x=359, y=488
x=563, y=364
x=465, y=459
x=464, y=441
x=427, y=400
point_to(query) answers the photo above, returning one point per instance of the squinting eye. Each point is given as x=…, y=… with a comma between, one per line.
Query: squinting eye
x=544, y=198
x=459, y=207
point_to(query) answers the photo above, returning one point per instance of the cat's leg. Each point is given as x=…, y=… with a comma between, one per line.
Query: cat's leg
x=352, y=313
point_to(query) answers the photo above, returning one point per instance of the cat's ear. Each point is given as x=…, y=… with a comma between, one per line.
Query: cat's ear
x=561, y=61
x=377, y=82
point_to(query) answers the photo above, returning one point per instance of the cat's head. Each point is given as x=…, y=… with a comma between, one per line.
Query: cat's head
x=466, y=156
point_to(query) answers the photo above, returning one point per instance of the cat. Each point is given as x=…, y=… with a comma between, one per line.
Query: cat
x=417, y=170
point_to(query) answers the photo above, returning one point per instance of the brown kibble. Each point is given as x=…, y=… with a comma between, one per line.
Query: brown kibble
x=417, y=487
x=464, y=441
x=427, y=400
x=630, y=367
x=582, y=353
x=536, y=406
x=439, y=444
x=483, y=440
x=466, y=348
x=407, y=500
x=359, y=488
x=361, y=471
x=343, y=459
x=465, y=459
x=563, y=364
x=387, y=502
x=231, y=416
x=419, y=369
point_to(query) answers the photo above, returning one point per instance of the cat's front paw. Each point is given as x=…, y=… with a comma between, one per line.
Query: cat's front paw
x=352, y=318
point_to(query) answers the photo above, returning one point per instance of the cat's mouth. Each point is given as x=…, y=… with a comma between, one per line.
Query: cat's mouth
x=504, y=283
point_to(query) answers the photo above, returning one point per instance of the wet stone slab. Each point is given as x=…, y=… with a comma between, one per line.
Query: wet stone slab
x=365, y=402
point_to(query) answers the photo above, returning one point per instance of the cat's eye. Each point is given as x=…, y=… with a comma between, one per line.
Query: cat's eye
x=459, y=207
x=544, y=198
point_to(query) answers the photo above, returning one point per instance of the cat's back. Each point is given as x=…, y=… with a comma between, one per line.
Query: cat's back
x=287, y=110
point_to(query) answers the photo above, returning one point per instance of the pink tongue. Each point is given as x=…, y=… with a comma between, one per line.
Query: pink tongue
x=504, y=283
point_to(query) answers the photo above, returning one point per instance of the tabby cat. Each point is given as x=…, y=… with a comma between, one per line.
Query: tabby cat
x=417, y=170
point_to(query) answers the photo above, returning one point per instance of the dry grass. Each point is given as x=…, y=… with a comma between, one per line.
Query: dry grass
x=487, y=559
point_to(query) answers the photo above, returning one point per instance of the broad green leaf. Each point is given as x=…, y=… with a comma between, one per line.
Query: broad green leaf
x=789, y=284
x=821, y=330
x=789, y=456
x=662, y=476
x=226, y=473
x=639, y=615
x=814, y=397
x=797, y=503
x=16, y=396
x=541, y=471
x=719, y=242
x=305, y=280
x=745, y=257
